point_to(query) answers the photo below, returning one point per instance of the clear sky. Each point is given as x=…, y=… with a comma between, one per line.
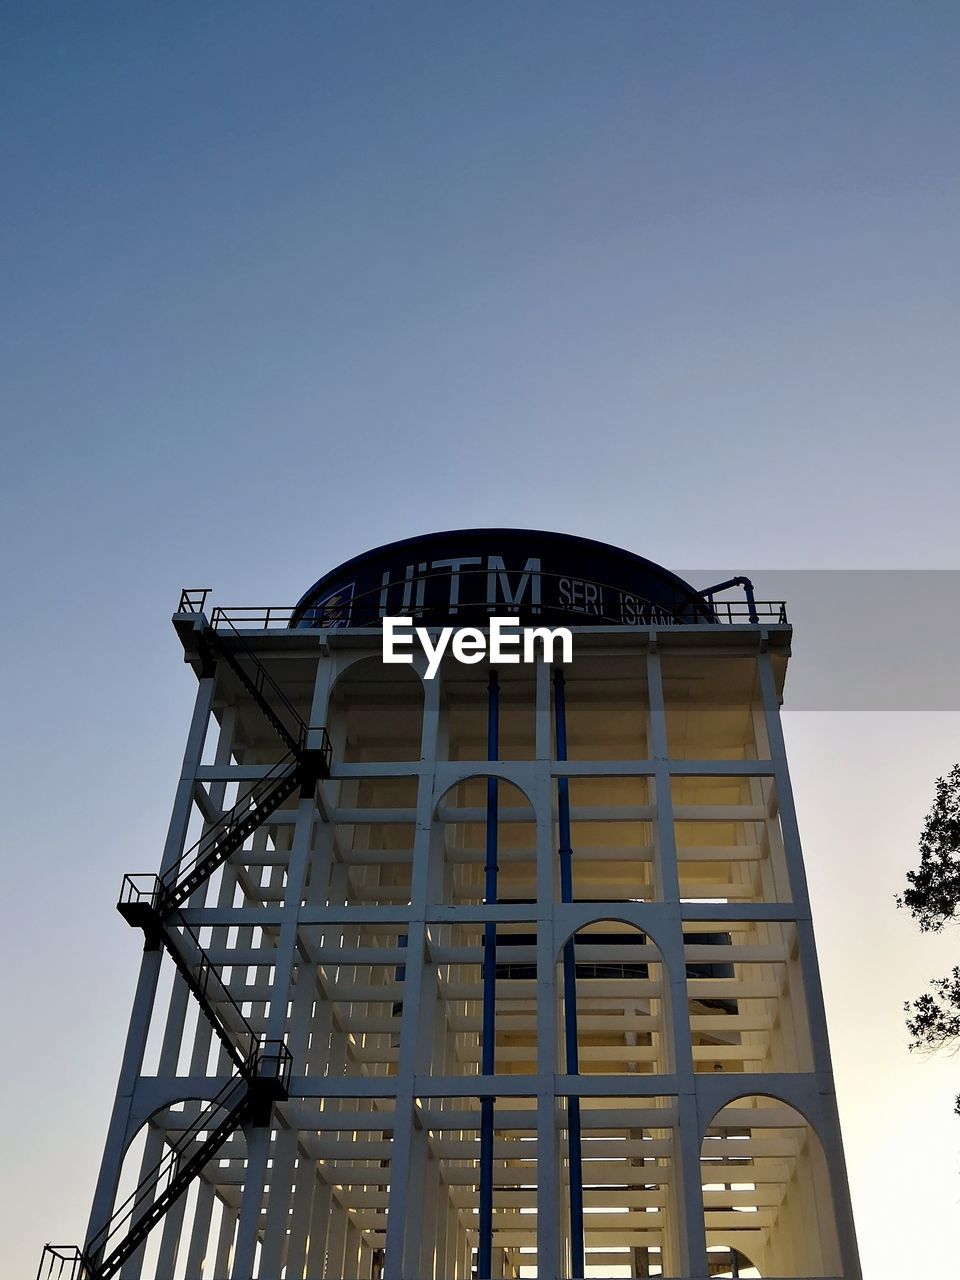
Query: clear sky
x=282, y=281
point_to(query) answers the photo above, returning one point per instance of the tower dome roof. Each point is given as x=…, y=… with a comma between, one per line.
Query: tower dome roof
x=464, y=576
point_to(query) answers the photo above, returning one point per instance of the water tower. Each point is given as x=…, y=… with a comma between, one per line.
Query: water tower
x=507, y=973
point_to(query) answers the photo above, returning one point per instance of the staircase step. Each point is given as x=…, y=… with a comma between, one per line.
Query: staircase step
x=227, y=840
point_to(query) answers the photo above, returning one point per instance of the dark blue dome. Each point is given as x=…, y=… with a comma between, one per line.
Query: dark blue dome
x=464, y=576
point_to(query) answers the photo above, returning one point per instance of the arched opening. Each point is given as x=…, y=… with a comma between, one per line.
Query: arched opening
x=376, y=713
x=322, y=1207
x=202, y=1224
x=460, y=845
x=365, y=856
x=619, y=1011
x=459, y=951
x=766, y=1190
x=451, y=1043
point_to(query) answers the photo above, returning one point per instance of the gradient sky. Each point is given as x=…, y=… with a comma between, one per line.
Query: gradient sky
x=282, y=281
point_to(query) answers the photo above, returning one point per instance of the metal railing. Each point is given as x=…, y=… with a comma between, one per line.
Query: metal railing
x=217, y=1001
x=160, y=1177
x=738, y=612
x=233, y=826
x=299, y=736
x=62, y=1262
x=279, y=617
x=268, y=1073
x=603, y=603
x=257, y=617
x=273, y=1063
x=264, y=686
x=193, y=599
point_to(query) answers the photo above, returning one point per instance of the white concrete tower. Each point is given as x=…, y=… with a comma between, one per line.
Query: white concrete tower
x=505, y=973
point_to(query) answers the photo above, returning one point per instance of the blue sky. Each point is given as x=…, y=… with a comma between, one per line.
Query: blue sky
x=284, y=281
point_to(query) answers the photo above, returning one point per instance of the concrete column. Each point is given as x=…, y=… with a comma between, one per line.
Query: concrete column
x=686, y=1186
x=117, y=1135
x=251, y=1198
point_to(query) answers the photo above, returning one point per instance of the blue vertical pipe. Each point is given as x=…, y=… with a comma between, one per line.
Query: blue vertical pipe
x=569, y=988
x=488, y=1034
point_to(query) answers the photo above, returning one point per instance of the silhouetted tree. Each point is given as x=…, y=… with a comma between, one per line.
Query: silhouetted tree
x=932, y=897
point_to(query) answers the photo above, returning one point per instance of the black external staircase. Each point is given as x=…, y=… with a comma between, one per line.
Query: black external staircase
x=207, y=645
x=153, y=903
x=246, y=1097
x=272, y=702
x=306, y=759
x=224, y=837
x=143, y=903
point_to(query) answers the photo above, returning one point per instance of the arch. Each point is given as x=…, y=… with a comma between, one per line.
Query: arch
x=732, y=1094
x=766, y=1187
x=375, y=716
x=452, y=1042
x=375, y=712
x=365, y=855
x=621, y=1027
x=174, y=1098
x=172, y=1105
x=459, y=841
x=207, y=1209
x=347, y=661
x=727, y=1262
x=501, y=770
x=615, y=914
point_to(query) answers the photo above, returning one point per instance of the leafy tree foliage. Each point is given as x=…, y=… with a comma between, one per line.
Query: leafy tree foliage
x=932, y=897
x=933, y=890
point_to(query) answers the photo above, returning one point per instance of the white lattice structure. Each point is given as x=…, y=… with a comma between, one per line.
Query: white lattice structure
x=349, y=926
